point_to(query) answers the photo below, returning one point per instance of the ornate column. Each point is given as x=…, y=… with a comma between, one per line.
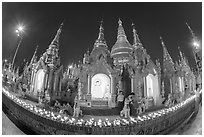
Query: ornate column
x=46, y=80
x=33, y=82
x=50, y=79
x=89, y=84
x=88, y=95
x=145, y=86
x=139, y=88
x=79, y=89
x=112, y=101
x=56, y=83
x=173, y=82
x=171, y=85
x=60, y=82
x=47, y=94
x=132, y=83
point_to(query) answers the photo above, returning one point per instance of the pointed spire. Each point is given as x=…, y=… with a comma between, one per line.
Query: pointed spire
x=100, y=40
x=165, y=51
x=121, y=32
x=56, y=39
x=136, y=40
x=191, y=31
x=183, y=60
x=168, y=64
x=88, y=51
x=32, y=59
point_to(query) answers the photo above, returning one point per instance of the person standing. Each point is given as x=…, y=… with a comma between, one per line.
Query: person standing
x=120, y=100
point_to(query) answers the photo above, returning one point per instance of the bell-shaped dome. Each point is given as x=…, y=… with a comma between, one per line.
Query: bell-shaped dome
x=122, y=47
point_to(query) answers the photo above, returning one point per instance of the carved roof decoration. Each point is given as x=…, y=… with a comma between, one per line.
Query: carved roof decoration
x=33, y=59
x=50, y=57
x=183, y=62
x=136, y=40
x=168, y=64
x=100, y=41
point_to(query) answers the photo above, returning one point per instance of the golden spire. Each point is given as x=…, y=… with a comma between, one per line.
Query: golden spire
x=100, y=40
x=121, y=32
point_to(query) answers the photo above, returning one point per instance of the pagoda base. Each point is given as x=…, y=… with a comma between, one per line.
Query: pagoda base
x=100, y=111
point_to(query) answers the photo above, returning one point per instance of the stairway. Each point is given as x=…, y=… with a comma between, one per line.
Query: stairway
x=99, y=103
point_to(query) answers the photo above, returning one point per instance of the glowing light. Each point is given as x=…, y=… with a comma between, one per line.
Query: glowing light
x=20, y=28
x=196, y=44
x=70, y=67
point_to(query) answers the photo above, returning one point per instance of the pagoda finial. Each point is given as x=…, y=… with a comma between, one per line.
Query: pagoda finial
x=183, y=60
x=180, y=53
x=121, y=32
x=100, y=40
x=162, y=42
x=120, y=22
x=56, y=39
x=136, y=40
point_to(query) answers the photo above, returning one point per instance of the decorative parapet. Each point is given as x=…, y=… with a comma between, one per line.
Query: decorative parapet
x=47, y=122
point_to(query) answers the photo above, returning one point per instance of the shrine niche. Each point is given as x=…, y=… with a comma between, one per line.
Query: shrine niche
x=181, y=84
x=152, y=88
x=39, y=82
x=100, y=87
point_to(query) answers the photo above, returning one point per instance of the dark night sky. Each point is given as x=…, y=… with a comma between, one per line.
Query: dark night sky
x=82, y=25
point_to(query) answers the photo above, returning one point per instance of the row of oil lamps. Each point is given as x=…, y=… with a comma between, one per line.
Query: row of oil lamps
x=92, y=122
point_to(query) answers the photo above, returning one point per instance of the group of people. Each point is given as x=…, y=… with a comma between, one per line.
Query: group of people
x=170, y=101
x=67, y=109
x=130, y=105
x=63, y=109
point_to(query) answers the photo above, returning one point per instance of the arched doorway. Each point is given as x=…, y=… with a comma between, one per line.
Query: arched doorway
x=149, y=85
x=126, y=82
x=39, y=81
x=152, y=87
x=181, y=87
x=100, y=87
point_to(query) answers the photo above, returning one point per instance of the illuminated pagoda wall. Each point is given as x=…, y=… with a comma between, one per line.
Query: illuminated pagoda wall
x=168, y=71
x=178, y=79
x=189, y=79
x=47, y=72
x=102, y=74
x=127, y=68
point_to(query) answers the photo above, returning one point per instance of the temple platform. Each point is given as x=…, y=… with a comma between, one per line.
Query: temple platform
x=100, y=111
